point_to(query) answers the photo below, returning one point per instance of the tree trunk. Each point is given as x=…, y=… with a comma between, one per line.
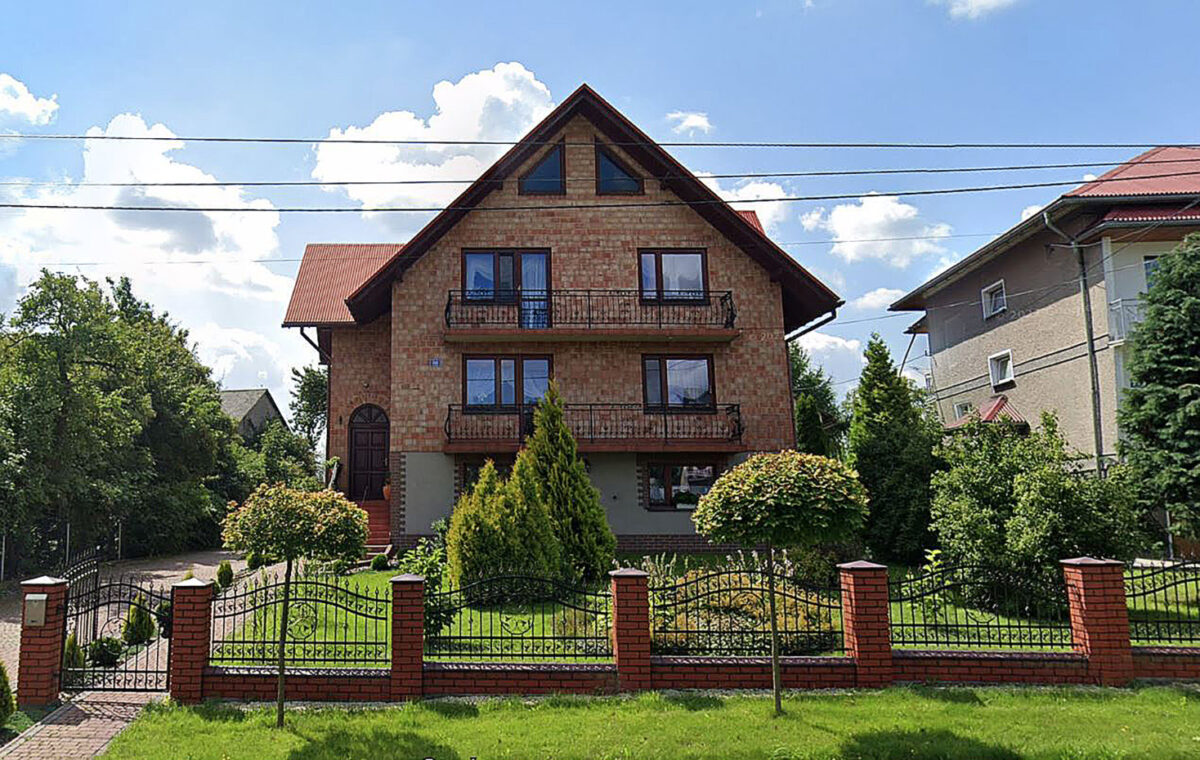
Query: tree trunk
x=775, y=685
x=283, y=624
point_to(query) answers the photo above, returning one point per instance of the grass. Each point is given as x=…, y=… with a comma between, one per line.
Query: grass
x=18, y=722
x=912, y=723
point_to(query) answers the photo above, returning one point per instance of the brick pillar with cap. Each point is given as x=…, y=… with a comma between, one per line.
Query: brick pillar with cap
x=1099, y=617
x=865, y=622
x=631, y=628
x=408, y=637
x=39, y=668
x=191, y=637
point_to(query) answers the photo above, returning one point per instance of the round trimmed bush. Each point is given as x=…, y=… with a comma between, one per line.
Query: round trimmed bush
x=379, y=562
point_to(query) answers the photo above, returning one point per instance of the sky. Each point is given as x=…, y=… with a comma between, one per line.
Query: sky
x=777, y=70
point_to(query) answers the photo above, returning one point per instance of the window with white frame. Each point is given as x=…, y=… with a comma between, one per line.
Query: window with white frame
x=994, y=299
x=962, y=409
x=1149, y=266
x=1000, y=368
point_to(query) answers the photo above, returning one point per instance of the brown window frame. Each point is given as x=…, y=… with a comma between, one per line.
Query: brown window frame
x=561, y=146
x=612, y=156
x=666, y=406
x=669, y=504
x=518, y=379
x=657, y=297
x=496, y=253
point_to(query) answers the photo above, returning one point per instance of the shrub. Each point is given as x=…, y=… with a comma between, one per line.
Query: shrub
x=379, y=562
x=7, y=707
x=163, y=613
x=474, y=547
x=224, y=574
x=105, y=652
x=72, y=654
x=188, y=574
x=428, y=559
x=139, y=626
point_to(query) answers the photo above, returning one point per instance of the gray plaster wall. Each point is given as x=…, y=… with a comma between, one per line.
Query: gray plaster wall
x=428, y=489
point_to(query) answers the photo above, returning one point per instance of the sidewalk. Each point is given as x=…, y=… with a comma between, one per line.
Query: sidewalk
x=79, y=729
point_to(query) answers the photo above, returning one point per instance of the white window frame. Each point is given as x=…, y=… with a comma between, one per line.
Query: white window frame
x=985, y=299
x=1012, y=370
x=962, y=409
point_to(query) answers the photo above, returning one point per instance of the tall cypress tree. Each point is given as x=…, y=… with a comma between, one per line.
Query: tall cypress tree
x=891, y=445
x=1160, y=411
x=820, y=423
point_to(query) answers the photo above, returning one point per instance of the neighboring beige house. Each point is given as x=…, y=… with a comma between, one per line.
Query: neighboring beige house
x=252, y=408
x=1009, y=320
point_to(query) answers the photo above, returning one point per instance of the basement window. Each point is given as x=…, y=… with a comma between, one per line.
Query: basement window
x=994, y=299
x=1000, y=368
x=678, y=486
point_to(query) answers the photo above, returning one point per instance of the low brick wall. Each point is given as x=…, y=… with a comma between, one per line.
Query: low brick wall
x=462, y=679
x=751, y=672
x=941, y=667
x=1167, y=663
x=323, y=685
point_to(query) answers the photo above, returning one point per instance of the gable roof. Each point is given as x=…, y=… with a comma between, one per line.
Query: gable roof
x=238, y=402
x=1148, y=174
x=997, y=409
x=804, y=296
x=329, y=273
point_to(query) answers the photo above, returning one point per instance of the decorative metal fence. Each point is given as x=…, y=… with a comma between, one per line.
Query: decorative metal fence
x=118, y=633
x=515, y=617
x=1164, y=604
x=331, y=624
x=591, y=423
x=976, y=607
x=541, y=309
x=727, y=613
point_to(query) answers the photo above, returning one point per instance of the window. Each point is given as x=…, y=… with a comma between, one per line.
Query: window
x=469, y=474
x=677, y=382
x=1150, y=266
x=994, y=299
x=962, y=409
x=613, y=177
x=1000, y=368
x=504, y=382
x=673, y=276
x=521, y=277
x=547, y=177
x=678, y=486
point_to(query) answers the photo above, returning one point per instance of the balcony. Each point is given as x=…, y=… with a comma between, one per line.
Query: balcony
x=600, y=427
x=1123, y=315
x=589, y=315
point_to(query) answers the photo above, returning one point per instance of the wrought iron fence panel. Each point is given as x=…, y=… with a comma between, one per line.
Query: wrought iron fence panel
x=726, y=613
x=600, y=422
x=117, y=634
x=597, y=308
x=1164, y=604
x=516, y=617
x=972, y=606
x=330, y=624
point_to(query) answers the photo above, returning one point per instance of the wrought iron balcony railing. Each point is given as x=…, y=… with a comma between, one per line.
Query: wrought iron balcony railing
x=541, y=310
x=591, y=423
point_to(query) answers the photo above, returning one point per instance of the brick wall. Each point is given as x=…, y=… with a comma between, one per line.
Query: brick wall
x=259, y=685
x=39, y=669
x=359, y=373
x=460, y=679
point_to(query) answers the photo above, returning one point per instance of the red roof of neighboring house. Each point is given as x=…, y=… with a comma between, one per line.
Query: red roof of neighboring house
x=752, y=217
x=996, y=409
x=1173, y=212
x=329, y=273
x=1148, y=174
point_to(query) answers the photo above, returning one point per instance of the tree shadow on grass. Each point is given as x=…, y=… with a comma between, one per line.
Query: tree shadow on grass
x=215, y=712
x=448, y=709
x=378, y=743
x=921, y=745
x=955, y=696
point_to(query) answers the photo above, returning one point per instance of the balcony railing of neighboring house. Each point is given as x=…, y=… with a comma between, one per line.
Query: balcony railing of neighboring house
x=588, y=309
x=600, y=423
x=1123, y=315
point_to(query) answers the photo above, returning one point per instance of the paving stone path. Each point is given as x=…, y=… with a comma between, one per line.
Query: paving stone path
x=79, y=729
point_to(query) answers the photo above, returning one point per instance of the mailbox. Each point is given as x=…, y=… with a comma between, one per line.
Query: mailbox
x=35, y=610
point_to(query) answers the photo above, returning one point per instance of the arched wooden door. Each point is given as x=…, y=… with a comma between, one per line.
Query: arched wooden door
x=368, y=453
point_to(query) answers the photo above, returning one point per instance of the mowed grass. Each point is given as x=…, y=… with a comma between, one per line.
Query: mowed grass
x=911, y=723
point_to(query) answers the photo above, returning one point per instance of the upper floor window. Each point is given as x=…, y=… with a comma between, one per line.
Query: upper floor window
x=500, y=275
x=613, y=176
x=678, y=382
x=668, y=275
x=548, y=176
x=994, y=299
x=1000, y=368
x=1150, y=266
x=491, y=382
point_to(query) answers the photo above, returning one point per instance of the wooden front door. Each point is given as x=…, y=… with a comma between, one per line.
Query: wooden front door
x=368, y=453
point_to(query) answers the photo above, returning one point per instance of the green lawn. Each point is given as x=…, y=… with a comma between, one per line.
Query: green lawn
x=18, y=722
x=913, y=723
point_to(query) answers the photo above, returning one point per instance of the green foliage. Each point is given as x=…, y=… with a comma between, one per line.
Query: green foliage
x=1160, y=411
x=811, y=436
x=72, y=654
x=224, y=574
x=891, y=443
x=7, y=705
x=162, y=613
x=786, y=499
x=428, y=560
x=820, y=422
x=379, y=562
x=285, y=458
x=105, y=652
x=139, y=625
x=474, y=547
x=283, y=522
x=1011, y=501
x=573, y=503
x=309, y=403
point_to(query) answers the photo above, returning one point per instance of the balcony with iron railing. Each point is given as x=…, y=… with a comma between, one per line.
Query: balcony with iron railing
x=589, y=315
x=1123, y=315
x=600, y=427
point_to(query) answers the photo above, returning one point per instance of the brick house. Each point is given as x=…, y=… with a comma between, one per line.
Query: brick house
x=586, y=254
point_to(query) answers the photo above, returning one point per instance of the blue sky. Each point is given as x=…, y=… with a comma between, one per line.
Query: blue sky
x=796, y=70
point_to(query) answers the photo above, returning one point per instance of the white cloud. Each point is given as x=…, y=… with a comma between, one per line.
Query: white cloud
x=500, y=103
x=823, y=343
x=857, y=229
x=1089, y=177
x=973, y=9
x=943, y=263
x=770, y=214
x=879, y=298
x=1029, y=211
x=690, y=122
x=18, y=101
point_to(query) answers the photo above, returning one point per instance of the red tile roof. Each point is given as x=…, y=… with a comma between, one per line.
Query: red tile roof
x=1137, y=177
x=1168, y=213
x=996, y=409
x=752, y=217
x=329, y=272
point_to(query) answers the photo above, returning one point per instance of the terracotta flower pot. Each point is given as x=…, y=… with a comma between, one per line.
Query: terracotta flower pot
x=387, y=492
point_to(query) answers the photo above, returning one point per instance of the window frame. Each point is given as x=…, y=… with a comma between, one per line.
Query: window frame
x=1012, y=369
x=612, y=156
x=962, y=409
x=518, y=277
x=1150, y=260
x=666, y=405
x=518, y=380
x=561, y=146
x=658, y=298
x=985, y=298
x=669, y=504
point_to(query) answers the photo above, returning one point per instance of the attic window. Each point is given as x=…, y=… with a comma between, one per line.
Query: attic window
x=547, y=177
x=994, y=299
x=613, y=177
x=1000, y=368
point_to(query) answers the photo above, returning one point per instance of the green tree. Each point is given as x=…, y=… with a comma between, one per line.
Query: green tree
x=474, y=546
x=310, y=403
x=1160, y=411
x=281, y=522
x=580, y=524
x=786, y=500
x=286, y=457
x=891, y=443
x=820, y=422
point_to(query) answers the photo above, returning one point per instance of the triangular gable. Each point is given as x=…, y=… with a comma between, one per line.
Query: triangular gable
x=804, y=296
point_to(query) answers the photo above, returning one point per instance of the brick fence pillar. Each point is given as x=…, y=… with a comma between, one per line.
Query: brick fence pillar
x=631, y=628
x=39, y=669
x=1099, y=618
x=408, y=637
x=191, y=636
x=865, y=622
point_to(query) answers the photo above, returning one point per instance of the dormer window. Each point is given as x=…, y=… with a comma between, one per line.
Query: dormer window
x=613, y=176
x=548, y=176
x=994, y=299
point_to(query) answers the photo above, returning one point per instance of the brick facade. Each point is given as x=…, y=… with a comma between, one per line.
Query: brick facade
x=39, y=670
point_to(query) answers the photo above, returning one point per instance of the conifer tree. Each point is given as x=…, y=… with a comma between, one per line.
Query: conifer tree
x=820, y=422
x=524, y=523
x=473, y=543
